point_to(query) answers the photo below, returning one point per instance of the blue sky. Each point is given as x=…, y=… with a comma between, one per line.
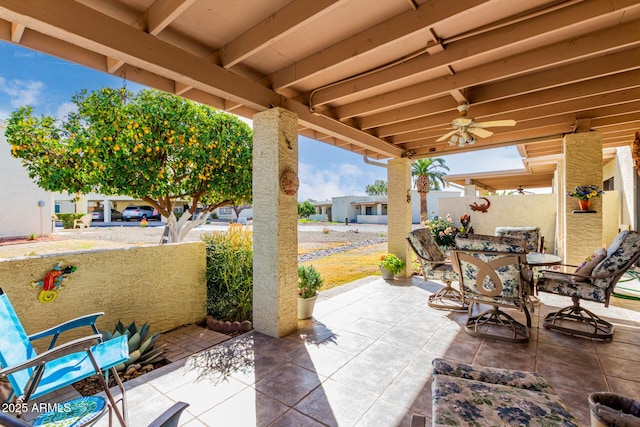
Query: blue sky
x=48, y=83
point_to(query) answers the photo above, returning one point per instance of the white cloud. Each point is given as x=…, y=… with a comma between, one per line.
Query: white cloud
x=22, y=92
x=64, y=109
x=341, y=179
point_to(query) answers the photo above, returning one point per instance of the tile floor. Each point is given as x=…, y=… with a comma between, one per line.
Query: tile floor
x=365, y=360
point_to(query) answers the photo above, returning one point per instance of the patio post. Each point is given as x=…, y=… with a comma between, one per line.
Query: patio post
x=399, y=210
x=582, y=166
x=275, y=223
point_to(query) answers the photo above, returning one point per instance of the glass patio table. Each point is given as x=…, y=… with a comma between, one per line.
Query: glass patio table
x=540, y=259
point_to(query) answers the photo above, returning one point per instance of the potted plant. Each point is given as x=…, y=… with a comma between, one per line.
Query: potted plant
x=390, y=265
x=309, y=282
x=584, y=194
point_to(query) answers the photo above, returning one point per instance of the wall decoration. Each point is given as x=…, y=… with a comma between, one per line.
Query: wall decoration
x=635, y=151
x=481, y=208
x=289, y=182
x=53, y=281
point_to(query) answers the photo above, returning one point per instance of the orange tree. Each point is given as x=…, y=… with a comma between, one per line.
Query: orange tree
x=150, y=146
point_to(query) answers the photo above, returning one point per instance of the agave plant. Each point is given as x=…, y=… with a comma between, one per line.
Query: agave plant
x=140, y=346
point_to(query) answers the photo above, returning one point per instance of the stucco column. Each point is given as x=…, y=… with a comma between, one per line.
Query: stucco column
x=106, y=206
x=275, y=224
x=399, y=210
x=583, y=166
x=470, y=190
x=82, y=204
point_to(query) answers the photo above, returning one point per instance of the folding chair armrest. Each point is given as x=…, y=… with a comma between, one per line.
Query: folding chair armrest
x=78, y=322
x=75, y=346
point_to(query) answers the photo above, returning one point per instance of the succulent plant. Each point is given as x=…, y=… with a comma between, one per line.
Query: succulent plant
x=141, y=349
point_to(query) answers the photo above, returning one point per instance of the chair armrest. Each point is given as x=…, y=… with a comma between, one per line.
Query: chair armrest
x=170, y=417
x=75, y=346
x=78, y=322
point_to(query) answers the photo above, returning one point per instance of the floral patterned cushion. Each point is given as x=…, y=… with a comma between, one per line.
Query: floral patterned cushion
x=531, y=235
x=425, y=245
x=442, y=272
x=624, y=249
x=505, y=287
x=465, y=402
x=521, y=379
x=481, y=242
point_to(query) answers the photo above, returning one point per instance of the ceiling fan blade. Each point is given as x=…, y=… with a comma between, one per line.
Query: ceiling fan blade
x=447, y=135
x=495, y=123
x=482, y=133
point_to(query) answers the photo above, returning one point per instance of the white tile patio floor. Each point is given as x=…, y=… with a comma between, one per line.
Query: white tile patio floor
x=365, y=360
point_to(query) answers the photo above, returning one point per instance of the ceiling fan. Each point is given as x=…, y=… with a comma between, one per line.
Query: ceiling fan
x=522, y=191
x=465, y=130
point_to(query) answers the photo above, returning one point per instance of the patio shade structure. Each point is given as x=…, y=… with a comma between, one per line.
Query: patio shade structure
x=381, y=79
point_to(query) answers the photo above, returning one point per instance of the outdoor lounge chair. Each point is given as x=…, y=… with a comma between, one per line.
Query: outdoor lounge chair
x=492, y=270
x=435, y=266
x=595, y=281
x=32, y=375
x=83, y=222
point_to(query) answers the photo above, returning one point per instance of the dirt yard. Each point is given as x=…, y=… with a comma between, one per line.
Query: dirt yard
x=309, y=240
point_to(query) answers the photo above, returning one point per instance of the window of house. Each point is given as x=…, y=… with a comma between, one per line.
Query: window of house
x=608, y=184
x=225, y=211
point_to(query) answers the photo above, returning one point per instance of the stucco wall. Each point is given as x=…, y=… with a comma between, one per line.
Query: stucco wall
x=25, y=208
x=530, y=210
x=163, y=285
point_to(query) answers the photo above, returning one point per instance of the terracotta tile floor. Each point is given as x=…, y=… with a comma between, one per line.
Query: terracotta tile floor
x=365, y=360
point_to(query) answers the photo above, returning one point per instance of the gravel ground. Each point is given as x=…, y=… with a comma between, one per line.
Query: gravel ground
x=313, y=243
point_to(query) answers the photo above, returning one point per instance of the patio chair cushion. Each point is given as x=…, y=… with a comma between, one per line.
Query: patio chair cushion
x=587, y=266
x=475, y=395
x=531, y=235
x=481, y=242
x=425, y=245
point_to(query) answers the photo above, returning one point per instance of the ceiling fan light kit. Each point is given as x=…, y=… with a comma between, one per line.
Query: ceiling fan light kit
x=465, y=130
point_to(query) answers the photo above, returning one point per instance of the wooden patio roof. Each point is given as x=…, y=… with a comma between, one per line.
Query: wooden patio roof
x=379, y=78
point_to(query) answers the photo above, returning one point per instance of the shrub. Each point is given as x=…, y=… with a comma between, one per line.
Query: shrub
x=309, y=281
x=230, y=274
x=392, y=263
x=67, y=219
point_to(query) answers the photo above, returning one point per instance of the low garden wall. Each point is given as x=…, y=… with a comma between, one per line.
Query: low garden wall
x=163, y=285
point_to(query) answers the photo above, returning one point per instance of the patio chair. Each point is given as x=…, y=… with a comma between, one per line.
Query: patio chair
x=594, y=281
x=169, y=418
x=534, y=241
x=492, y=270
x=435, y=266
x=83, y=222
x=32, y=375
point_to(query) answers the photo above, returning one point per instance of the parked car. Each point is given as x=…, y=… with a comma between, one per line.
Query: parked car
x=138, y=213
x=98, y=215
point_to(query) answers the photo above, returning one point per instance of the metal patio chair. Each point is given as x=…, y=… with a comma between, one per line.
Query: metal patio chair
x=594, y=285
x=435, y=266
x=492, y=271
x=32, y=375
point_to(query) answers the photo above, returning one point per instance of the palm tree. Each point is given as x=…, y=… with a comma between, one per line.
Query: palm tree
x=428, y=174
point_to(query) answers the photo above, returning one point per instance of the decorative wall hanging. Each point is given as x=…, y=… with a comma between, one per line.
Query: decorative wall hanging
x=52, y=282
x=289, y=182
x=481, y=208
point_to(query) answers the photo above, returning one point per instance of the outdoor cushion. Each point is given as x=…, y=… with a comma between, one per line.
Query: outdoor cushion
x=468, y=395
x=425, y=245
x=531, y=235
x=587, y=266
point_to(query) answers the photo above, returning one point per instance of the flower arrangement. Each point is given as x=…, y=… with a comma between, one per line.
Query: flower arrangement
x=443, y=230
x=143, y=223
x=391, y=263
x=585, y=192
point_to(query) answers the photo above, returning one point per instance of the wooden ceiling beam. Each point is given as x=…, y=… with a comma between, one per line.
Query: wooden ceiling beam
x=389, y=31
x=471, y=47
x=160, y=14
x=273, y=28
x=584, y=47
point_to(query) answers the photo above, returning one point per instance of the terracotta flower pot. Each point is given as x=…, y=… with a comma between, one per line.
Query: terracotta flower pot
x=584, y=204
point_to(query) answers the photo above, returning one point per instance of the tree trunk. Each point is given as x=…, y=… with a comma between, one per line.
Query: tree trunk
x=423, y=207
x=176, y=230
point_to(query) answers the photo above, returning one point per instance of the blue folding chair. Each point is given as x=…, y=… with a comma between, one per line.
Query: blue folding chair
x=32, y=375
